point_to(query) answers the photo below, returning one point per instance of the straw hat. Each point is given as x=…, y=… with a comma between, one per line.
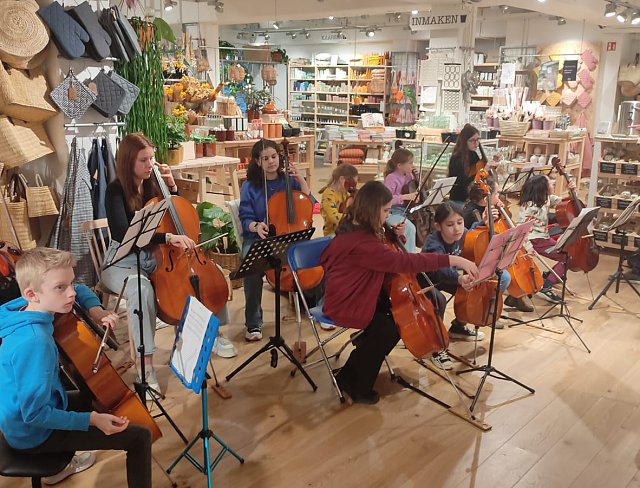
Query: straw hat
x=23, y=35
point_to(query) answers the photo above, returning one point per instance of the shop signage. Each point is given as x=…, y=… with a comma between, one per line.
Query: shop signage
x=618, y=238
x=445, y=20
x=622, y=204
x=570, y=70
x=636, y=241
x=609, y=168
x=600, y=235
x=604, y=202
x=611, y=45
x=629, y=169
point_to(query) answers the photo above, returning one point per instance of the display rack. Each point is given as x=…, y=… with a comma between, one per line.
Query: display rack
x=487, y=79
x=327, y=94
x=610, y=177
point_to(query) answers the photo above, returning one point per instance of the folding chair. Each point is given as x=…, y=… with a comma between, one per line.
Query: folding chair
x=305, y=255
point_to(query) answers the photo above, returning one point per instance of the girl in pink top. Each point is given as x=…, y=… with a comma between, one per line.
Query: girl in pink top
x=398, y=173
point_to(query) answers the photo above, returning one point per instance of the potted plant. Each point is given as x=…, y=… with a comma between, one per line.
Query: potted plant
x=214, y=222
x=279, y=56
x=209, y=145
x=256, y=100
x=228, y=50
x=175, y=137
x=198, y=141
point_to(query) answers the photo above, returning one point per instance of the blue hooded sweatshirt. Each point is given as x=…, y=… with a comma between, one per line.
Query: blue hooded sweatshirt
x=33, y=401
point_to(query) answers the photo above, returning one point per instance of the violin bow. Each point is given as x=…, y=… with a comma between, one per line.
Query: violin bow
x=103, y=343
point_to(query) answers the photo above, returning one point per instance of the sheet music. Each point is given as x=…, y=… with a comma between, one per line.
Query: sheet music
x=625, y=215
x=187, y=351
x=584, y=218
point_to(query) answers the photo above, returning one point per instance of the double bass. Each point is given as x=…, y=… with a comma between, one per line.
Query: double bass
x=289, y=211
x=78, y=347
x=418, y=322
x=583, y=255
x=183, y=272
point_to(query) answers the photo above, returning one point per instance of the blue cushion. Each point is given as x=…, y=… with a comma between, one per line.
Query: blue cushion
x=306, y=254
x=316, y=313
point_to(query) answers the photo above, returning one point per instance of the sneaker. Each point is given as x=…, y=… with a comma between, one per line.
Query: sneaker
x=549, y=296
x=442, y=360
x=518, y=303
x=253, y=335
x=152, y=379
x=464, y=333
x=224, y=348
x=78, y=464
x=324, y=326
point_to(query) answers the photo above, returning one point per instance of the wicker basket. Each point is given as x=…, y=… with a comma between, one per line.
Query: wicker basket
x=230, y=262
x=21, y=142
x=513, y=128
x=25, y=96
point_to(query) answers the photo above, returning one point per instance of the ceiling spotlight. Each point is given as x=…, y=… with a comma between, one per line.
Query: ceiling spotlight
x=266, y=36
x=307, y=34
x=331, y=17
x=622, y=17
x=542, y=1
x=276, y=25
x=218, y=5
x=169, y=4
x=562, y=21
x=504, y=8
x=610, y=10
x=414, y=12
x=635, y=18
x=397, y=16
x=370, y=32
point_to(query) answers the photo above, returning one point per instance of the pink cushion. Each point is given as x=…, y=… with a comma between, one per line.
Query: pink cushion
x=589, y=59
x=586, y=79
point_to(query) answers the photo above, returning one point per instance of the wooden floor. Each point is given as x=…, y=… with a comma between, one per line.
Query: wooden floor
x=580, y=429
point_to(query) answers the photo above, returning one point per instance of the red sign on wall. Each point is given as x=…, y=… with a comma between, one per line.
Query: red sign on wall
x=611, y=45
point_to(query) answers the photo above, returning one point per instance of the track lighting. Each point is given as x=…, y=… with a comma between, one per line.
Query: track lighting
x=370, y=32
x=562, y=21
x=610, y=10
x=276, y=25
x=623, y=16
x=414, y=12
x=397, y=16
x=266, y=36
x=307, y=34
x=331, y=17
x=635, y=18
x=217, y=4
x=169, y=4
x=504, y=8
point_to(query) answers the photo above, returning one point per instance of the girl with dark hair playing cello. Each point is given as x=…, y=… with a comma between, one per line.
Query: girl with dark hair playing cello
x=463, y=163
x=355, y=264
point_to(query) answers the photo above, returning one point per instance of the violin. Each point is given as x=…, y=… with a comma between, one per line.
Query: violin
x=420, y=326
x=288, y=211
x=351, y=188
x=78, y=347
x=183, y=272
x=584, y=254
x=9, y=256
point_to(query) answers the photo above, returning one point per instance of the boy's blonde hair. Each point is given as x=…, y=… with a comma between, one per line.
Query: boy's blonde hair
x=33, y=265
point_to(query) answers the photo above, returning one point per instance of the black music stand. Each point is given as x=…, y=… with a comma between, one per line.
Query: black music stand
x=500, y=254
x=521, y=177
x=576, y=229
x=263, y=255
x=141, y=229
x=621, y=234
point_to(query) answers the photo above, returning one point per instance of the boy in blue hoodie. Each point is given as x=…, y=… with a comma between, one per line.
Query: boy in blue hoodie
x=36, y=414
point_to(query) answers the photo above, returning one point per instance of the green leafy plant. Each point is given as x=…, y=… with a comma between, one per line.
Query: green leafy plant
x=257, y=99
x=198, y=139
x=175, y=130
x=214, y=222
x=227, y=50
x=209, y=139
x=410, y=95
x=280, y=56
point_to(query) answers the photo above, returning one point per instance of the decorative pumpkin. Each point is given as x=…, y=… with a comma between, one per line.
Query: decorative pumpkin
x=235, y=73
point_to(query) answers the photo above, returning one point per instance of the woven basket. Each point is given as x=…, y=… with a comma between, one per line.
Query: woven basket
x=40, y=200
x=23, y=36
x=25, y=96
x=21, y=142
x=230, y=262
x=513, y=128
x=16, y=205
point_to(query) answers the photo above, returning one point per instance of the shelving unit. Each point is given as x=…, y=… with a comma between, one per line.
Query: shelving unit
x=609, y=178
x=326, y=94
x=488, y=76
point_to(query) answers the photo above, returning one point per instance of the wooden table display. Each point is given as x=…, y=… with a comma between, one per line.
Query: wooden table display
x=225, y=176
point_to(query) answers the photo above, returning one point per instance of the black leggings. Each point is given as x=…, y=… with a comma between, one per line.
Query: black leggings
x=135, y=439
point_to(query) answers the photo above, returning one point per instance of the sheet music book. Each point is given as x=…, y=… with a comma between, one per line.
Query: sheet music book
x=195, y=336
x=584, y=218
x=143, y=224
x=625, y=215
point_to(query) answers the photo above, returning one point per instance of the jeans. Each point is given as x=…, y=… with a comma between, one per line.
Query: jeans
x=135, y=440
x=395, y=216
x=252, y=294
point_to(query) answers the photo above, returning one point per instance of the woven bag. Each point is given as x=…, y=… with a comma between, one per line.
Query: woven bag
x=73, y=97
x=40, y=200
x=25, y=96
x=21, y=142
x=23, y=35
x=16, y=206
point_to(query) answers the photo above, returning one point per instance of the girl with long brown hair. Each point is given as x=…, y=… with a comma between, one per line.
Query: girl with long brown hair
x=355, y=264
x=336, y=194
x=463, y=162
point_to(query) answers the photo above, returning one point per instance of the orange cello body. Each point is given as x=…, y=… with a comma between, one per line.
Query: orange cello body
x=583, y=255
x=419, y=325
x=180, y=273
x=476, y=306
x=78, y=347
x=290, y=211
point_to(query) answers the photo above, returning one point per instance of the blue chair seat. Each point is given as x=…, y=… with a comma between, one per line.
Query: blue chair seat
x=317, y=314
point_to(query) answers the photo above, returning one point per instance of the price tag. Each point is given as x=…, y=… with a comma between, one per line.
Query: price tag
x=617, y=239
x=608, y=168
x=604, y=202
x=622, y=204
x=636, y=241
x=600, y=235
x=629, y=169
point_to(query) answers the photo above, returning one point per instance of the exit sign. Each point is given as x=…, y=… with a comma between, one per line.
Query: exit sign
x=611, y=45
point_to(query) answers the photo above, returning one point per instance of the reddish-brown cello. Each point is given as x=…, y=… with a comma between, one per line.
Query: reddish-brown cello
x=583, y=255
x=419, y=324
x=289, y=211
x=78, y=347
x=179, y=272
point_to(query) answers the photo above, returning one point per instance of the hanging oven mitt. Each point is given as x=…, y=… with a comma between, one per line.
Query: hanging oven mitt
x=67, y=34
x=99, y=43
x=131, y=92
x=110, y=95
x=110, y=24
x=73, y=97
x=130, y=38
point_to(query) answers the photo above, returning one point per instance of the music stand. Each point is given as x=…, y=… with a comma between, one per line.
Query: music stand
x=266, y=254
x=521, y=177
x=141, y=229
x=500, y=254
x=579, y=225
x=437, y=194
x=192, y=346
x=618, y=276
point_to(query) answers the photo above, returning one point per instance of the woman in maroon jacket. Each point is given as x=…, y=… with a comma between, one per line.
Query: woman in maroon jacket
x=355, y=263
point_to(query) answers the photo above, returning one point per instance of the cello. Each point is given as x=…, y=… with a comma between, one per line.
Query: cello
x=583, y=255
x=288, y=211
x=9, y=255
x=420, y=326
x=183, y=272
x=109, y=393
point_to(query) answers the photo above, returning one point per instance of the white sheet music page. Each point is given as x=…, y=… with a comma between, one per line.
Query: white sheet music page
x=185, y=356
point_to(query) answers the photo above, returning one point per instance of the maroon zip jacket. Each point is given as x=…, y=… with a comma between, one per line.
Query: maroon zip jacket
x=355, y=264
